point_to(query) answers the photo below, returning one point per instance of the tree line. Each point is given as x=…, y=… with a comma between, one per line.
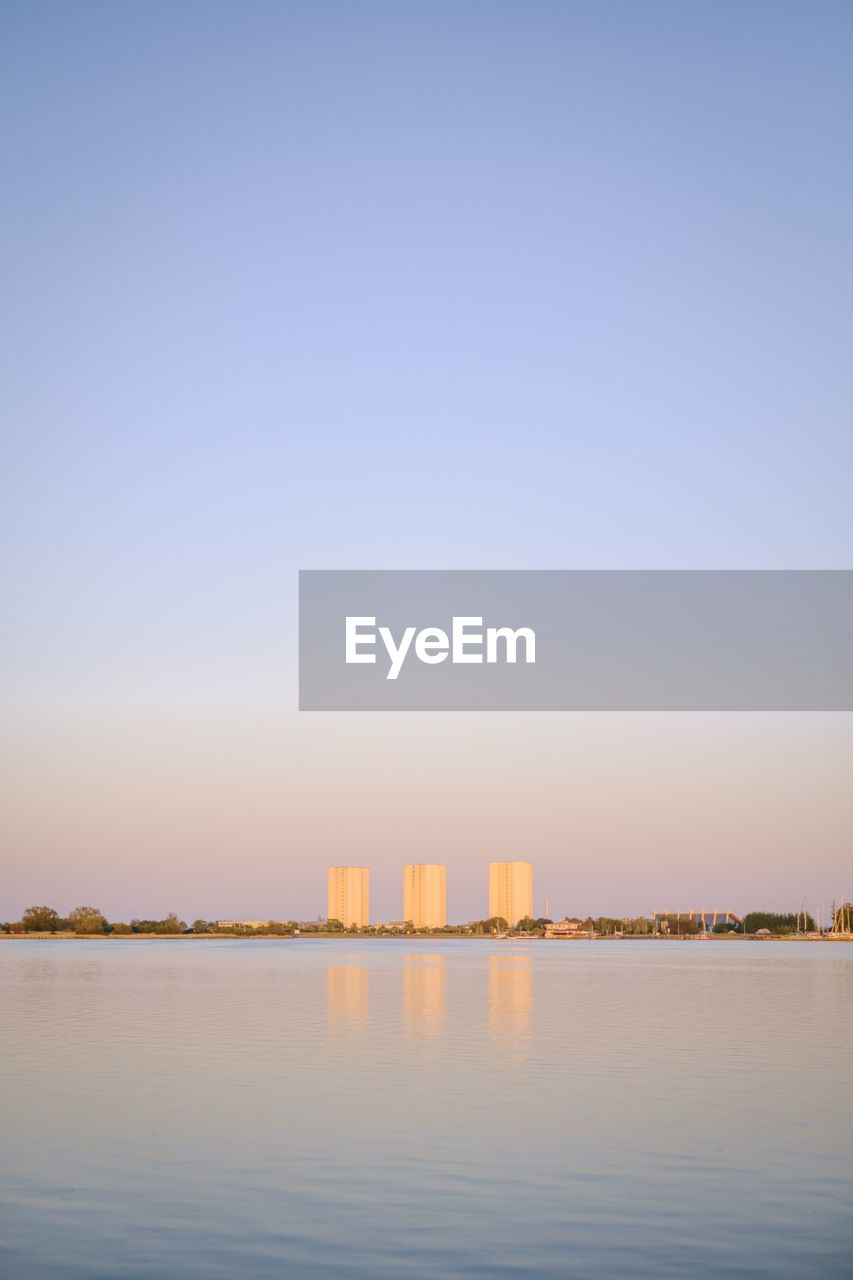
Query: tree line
x=92, y=921
x=777, y=923
x=89, y=920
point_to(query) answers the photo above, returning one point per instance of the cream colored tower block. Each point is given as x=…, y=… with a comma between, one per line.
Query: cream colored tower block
x=425, y=895
x=511, y=890
x=349, y=895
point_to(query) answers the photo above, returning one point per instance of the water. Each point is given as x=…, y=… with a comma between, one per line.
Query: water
x=413, y=1108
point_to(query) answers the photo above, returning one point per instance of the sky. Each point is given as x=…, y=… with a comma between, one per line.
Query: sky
x=382, y=285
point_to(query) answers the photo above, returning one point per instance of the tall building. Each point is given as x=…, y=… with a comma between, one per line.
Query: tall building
x=425, y=895
x=349, y=895
x=511, y=890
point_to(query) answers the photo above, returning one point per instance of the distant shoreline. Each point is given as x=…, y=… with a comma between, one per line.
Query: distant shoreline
x=70, y=936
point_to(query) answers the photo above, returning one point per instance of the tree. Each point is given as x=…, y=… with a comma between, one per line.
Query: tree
x=120, y=928
x=608, y=924
x=171, y=924
x=334, y=926
x=40, y=919
x=86, y=920
x=201, y=926
x=527, y=924
x=680, y=926
x=494, y=924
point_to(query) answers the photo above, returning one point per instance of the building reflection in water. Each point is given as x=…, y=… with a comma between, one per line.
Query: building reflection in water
x=510, y=997
x=424, y=994
x=347, y=994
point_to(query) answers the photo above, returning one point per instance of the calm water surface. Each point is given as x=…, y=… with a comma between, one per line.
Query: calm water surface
x=391, y=1108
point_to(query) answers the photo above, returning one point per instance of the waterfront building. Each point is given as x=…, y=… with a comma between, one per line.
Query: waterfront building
x=511, y=891
x=349, y=896
x=425, y=895
x=564, y=928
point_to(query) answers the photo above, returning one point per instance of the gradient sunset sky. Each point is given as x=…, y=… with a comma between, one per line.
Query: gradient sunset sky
x=386, y=285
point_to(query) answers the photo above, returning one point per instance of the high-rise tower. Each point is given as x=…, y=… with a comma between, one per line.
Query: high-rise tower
x=425, y=895
x=349, y=895
x=511, y=890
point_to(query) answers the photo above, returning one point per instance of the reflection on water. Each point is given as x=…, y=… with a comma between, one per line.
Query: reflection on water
x=347, y=994
x=370, y=1109
x=424, y=994
x=510, y=997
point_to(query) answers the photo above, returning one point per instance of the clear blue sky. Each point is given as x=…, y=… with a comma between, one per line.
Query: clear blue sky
x=395, y=285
